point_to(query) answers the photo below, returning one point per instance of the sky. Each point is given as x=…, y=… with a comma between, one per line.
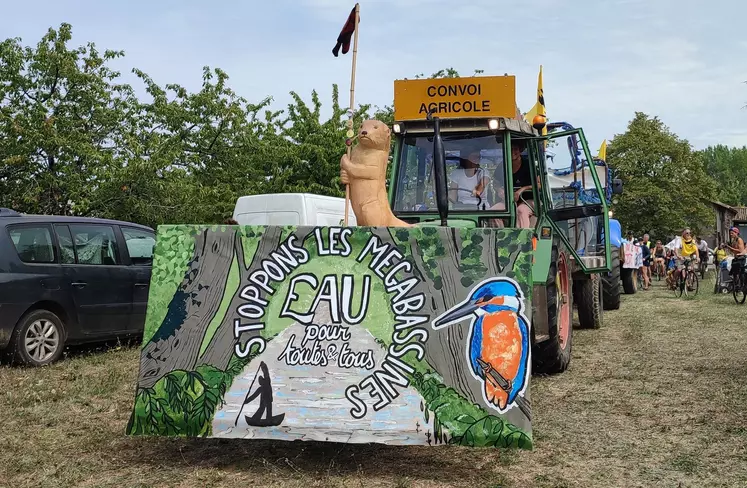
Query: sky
x=684, y=61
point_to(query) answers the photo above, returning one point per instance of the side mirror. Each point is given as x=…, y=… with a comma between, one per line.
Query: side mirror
x=617, y=186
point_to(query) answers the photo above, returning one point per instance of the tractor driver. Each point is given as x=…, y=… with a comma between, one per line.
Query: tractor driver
x=522, y=182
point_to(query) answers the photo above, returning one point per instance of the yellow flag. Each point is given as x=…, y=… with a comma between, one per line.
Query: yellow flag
x=541, y=95
x=529, y=116
x=603, y=151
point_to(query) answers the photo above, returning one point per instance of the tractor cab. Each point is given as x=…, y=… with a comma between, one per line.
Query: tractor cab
x=454, y=165
x=477, y=169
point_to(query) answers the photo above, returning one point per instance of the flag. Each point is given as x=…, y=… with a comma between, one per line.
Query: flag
x=603, y=151
x=539, y=106
x=529, y=116
x=343, y=40
x=541, y=95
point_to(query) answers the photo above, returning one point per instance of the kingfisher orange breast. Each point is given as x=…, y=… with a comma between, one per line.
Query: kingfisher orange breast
x=502, y=348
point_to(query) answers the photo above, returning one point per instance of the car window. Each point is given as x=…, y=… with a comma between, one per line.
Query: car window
x=67, y=251
x=33, y=244
x=140, y=245
x=95, y=244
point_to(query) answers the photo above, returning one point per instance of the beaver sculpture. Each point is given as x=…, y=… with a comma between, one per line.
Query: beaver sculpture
x=365, y=171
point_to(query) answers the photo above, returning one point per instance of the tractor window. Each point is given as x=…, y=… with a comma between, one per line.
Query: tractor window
x=475, y=174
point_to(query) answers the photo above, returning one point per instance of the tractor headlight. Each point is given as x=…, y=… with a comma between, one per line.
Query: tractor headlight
x=397, y=128
x=493, y=124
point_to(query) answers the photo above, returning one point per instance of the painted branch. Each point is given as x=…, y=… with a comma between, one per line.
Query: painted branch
x=178, y=340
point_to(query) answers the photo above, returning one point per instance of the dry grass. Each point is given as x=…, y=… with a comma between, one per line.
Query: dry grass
x=657, y=397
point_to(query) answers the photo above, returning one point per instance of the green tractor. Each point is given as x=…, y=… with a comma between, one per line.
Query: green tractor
x=453, y=166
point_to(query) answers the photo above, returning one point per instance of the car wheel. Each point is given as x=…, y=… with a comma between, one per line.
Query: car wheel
x=38, y=339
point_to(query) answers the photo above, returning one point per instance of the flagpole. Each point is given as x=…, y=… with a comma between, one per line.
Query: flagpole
x=352, y=105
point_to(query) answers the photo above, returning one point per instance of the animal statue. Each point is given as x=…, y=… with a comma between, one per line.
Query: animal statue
x=498, y=348
x=365, y=171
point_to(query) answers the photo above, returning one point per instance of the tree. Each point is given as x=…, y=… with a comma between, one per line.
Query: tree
x=666, y=187
x=63, y=120
x=728, y=166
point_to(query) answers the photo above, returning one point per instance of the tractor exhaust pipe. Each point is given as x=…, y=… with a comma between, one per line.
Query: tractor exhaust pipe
x=439, y=165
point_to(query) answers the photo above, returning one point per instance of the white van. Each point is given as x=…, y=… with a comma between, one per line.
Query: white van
x=292, y=209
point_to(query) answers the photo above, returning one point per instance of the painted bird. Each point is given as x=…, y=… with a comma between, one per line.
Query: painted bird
x=498, y=350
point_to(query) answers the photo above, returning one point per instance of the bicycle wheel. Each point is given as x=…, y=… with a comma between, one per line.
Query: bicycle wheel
x=692, y=283
x=740, y=289
x=679, y=286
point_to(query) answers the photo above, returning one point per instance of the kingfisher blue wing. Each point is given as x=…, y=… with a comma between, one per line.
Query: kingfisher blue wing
x=499, y=338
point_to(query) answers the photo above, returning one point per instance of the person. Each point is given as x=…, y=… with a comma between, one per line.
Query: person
x=646, y=264
x=230, y=221
x=719, y=255
x=522, y=177
x=671, y=267
x=659, y=258
x=737, y=249
x=686, y=249
x=647, y=241
x=702, y=249
x=468, y=182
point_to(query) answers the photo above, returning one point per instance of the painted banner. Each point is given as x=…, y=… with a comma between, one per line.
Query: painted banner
x=347, y=334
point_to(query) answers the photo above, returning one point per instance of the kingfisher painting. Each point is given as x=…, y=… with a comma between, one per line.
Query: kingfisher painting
x=498, y=346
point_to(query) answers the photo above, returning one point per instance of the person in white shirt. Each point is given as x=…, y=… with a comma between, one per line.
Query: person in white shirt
x=468, y=181
x=702, y=249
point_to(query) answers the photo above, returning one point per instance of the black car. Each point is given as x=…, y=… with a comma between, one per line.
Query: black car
x=70, y=280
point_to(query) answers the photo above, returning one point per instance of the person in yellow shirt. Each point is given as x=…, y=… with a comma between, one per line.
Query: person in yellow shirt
x=719, y=255
x=687, y=249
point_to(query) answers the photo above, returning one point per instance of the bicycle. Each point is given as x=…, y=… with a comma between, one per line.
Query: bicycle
x=660, y=270
x=703, y=266
x=739, y=285
x=687, y=280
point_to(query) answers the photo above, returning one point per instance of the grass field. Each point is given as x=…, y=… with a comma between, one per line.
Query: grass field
x=657, y=397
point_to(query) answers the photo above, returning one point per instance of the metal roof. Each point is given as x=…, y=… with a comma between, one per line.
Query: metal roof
x=723, y=205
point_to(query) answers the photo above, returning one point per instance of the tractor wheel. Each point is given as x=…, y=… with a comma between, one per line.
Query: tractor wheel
x=628, y=281
x=588, y=296
x=553, y=355
x=611, y=282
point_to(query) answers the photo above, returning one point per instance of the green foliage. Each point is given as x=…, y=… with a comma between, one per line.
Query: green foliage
x=457, y=421
x=171, y=260
x=666, y=187
x=471, y=265
x=75, y=140
x=727, y=166
x=182, y=403
x=64, y=118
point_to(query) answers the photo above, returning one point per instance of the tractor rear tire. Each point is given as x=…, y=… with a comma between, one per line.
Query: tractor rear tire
x=611, y=282
x=588, y=296
x=628, y=281
x=553, y=355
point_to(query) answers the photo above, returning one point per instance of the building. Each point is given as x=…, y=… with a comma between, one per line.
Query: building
x=725, y=216
x=740, y=220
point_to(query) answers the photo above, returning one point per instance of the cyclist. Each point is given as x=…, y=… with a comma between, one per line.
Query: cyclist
x=738, y=250
x=659, y=258
x=702, y=249
x=686, y=250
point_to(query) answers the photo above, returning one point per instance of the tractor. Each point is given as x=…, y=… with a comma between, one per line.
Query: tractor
x=612, y=280
x=452, y=132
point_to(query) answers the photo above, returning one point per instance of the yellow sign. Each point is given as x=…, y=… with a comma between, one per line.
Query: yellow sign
x=471, y=97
